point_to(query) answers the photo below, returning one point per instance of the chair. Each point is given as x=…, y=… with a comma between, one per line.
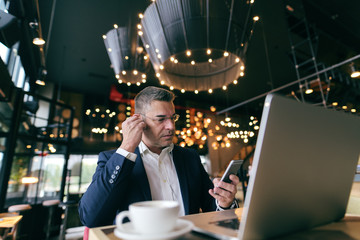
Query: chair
x=72, y=228
x=53, y=217
x=75, y=233
x=8, y=233
x=19, y=208
x=24, y=229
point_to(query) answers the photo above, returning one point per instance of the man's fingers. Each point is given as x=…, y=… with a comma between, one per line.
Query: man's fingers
x=226, y=186
x=222, y=192
x=223, y=201
x=133, y=122
x=235, y=179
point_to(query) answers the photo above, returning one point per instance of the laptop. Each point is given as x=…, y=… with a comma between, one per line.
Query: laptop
x=302, y=173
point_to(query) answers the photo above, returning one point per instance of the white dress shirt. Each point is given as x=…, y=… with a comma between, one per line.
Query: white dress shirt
x=161, y=173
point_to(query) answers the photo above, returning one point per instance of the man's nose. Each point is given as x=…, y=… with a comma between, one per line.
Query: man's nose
x=169, y=124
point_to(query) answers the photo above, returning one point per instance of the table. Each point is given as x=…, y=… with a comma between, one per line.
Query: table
x=9, y=223
x=107, y=233
x=346, y=229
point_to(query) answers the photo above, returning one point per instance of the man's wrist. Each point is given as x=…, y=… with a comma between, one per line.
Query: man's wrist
x=129, y=155
x=233, y=205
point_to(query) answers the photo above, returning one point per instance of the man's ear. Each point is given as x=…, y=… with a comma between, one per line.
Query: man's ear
x=146, y=126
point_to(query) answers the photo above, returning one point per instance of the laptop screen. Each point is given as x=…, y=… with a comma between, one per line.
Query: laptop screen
x=303, y=168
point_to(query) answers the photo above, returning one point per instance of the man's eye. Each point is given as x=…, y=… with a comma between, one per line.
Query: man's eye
x=160, y=120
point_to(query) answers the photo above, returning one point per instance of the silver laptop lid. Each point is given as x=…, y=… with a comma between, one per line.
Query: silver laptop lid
x=303, y=168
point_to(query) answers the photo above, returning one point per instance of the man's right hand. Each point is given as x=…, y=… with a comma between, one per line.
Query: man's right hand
x=132, y=129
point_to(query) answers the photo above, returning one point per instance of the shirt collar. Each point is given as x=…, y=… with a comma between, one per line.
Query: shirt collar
x=144, y=149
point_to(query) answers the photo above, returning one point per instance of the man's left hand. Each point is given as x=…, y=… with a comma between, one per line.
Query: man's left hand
x=224, y=192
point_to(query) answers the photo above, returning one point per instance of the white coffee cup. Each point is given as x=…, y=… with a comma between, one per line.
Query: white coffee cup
x=150, y=217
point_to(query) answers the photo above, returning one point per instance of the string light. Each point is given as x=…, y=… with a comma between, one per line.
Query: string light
x=193, y=135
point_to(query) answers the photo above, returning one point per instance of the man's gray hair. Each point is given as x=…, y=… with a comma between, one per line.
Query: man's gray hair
x=145, y=97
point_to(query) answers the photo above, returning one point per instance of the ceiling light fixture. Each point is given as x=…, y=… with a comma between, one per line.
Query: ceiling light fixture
x=355, y=72
x=38, y=41
x=129, y=63
x=40, y=82
x=41, y=76
x=308, y=90
x=36, y=26
x=186, y=33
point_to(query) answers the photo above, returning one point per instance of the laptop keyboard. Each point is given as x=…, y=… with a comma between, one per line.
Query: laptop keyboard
x=229, y=223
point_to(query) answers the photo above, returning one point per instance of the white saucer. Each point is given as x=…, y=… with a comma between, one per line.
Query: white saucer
x=182, y=227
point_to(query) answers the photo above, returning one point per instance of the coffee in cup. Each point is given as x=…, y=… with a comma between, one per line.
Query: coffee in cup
x=150, y=217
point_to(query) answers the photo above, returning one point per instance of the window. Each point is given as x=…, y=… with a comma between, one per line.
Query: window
x=27, y=85
x=4, y=5
x=38, y=161
x=14, y=64
x=35, y=174
x=1, y=159
x=48, y=171
x=20, y=81
x=18, y=74
x=4, y=53
x=87, y=171
x=16, y=190
x=81, y=168
x=13, y=54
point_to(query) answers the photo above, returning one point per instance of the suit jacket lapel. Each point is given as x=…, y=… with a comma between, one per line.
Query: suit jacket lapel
x=181, y=172
x=141, y=177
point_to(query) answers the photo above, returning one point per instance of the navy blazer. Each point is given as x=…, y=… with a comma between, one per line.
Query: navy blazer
x=118, y=182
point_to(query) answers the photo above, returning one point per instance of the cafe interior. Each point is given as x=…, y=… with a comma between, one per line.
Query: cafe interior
x=69, y=72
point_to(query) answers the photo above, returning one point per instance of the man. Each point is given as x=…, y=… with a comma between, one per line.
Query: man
x=147, y=166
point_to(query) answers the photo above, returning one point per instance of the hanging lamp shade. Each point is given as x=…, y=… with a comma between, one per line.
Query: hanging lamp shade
x=127, y=56
x=197, y=45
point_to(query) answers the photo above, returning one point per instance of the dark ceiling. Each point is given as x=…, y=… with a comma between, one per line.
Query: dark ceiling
x=77, y=61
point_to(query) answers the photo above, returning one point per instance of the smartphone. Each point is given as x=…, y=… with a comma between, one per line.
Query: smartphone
x=232, y=168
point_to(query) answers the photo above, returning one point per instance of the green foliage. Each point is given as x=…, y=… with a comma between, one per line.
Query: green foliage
x=18, y=171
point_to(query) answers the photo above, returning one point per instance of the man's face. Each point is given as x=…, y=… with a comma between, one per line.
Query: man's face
x=160, y=128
